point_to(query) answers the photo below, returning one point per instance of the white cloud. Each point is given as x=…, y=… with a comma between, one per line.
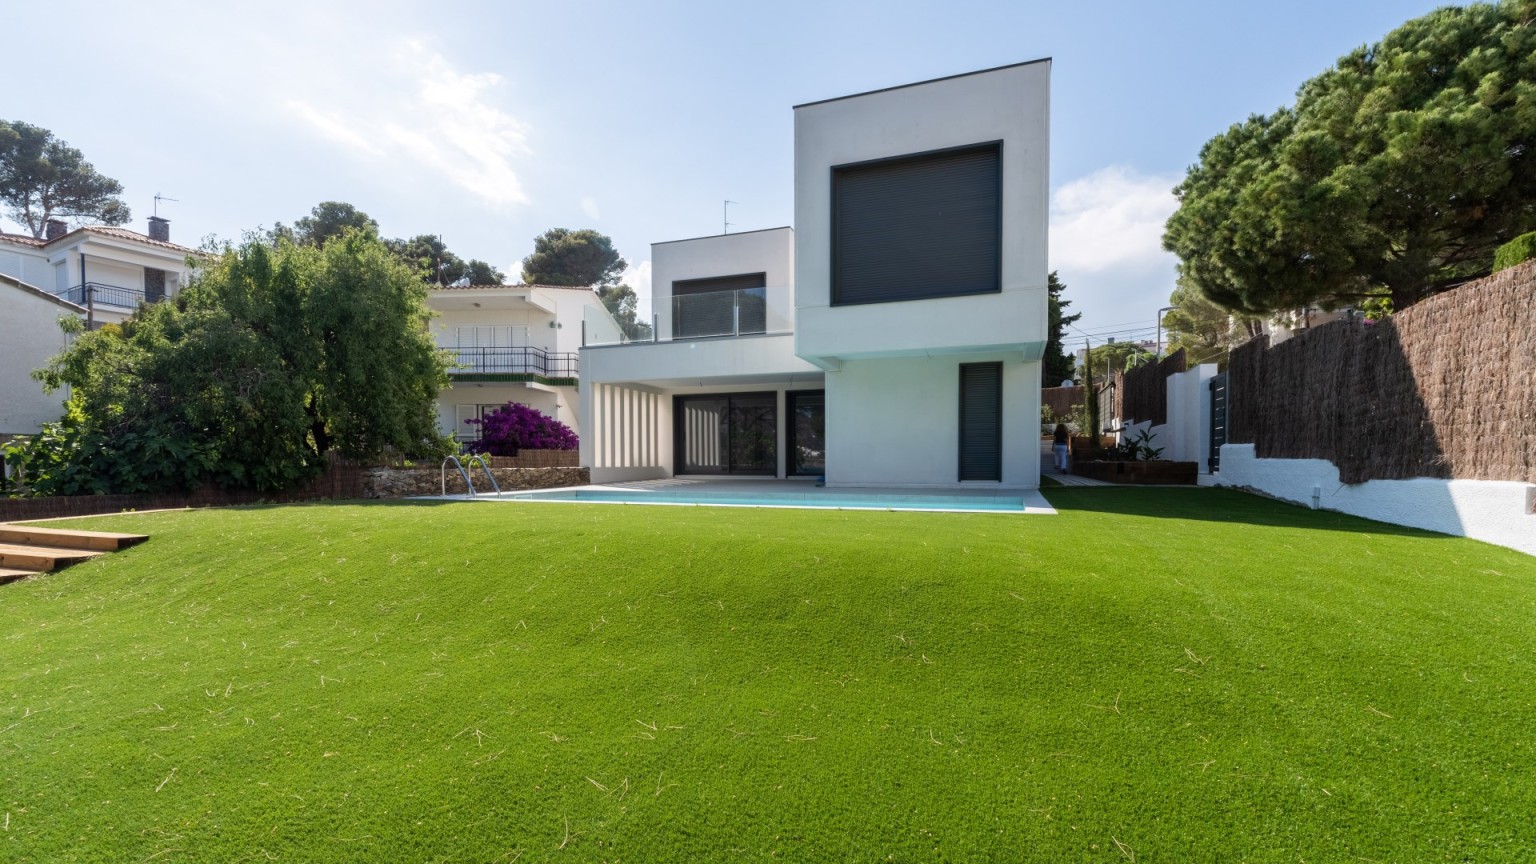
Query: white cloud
x=638, y=277
x=422, y=111
x=1106, y=243
x=589, y=207
x=333, y=128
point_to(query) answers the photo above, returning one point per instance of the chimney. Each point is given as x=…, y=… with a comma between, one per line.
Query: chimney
x=160, y=229
x=55, y=229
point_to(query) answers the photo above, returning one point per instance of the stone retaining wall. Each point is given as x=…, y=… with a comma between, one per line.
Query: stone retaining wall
x=406, y=482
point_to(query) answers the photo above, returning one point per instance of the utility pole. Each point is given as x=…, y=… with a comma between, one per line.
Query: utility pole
x=726, y=218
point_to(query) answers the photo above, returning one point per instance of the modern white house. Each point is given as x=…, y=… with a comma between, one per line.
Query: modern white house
x=96, y=273
x=512, y=343
x=891, y=338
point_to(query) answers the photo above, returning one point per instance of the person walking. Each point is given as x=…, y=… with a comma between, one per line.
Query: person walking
x=1059, y=447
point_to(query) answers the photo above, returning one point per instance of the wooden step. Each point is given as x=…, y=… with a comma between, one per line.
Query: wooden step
x=17, y=557
x=101, y=541
x=9, y=575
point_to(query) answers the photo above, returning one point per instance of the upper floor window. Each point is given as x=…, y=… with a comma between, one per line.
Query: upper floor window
x=919, y=226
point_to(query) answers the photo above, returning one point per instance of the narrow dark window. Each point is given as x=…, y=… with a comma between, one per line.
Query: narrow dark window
x=981, y=421
x=917, y=227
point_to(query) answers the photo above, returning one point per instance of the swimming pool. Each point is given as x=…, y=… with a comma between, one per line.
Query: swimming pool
x=1016, y=502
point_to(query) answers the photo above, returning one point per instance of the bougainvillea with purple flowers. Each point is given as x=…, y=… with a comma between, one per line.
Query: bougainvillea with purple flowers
x=515, y=426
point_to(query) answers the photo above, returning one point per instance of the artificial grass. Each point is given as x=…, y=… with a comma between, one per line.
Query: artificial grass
x=1152, y=675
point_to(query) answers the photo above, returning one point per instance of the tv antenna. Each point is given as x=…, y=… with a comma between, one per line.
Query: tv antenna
x=727, y=217
x=158, y=199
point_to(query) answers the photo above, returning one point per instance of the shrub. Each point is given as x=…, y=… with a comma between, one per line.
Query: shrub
x=1516, y=251
x=514, y=426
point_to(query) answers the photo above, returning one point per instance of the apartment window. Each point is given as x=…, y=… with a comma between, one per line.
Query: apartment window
x=917, y=227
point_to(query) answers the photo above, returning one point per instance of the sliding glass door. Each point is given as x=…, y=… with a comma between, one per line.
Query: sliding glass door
x=807, y=432
x=727, y=433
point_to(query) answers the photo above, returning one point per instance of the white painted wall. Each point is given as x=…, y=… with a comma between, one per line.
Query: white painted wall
x=770, y=252
x=1011, y=105
x=558, y=402
x=569, y=304
x=25, y=263
x=896, y=421
x=1493, y=511
x=697, y=359
x=29, y=335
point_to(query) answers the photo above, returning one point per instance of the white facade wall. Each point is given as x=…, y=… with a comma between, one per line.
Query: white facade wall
x=27, y=264
x=1011, y=105
x=770, y=252
x=29, y=336
x=560, y=403
x=896, y=421
x=1493, y=511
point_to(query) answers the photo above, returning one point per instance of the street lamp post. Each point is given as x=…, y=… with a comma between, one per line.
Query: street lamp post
x=1160, y=328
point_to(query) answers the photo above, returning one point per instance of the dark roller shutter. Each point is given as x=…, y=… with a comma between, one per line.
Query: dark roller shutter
x=918, y=227
x=684, y=287
x=981, y=421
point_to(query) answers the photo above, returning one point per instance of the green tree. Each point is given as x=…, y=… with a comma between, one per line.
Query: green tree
x=1057, y=365
x=439, y=266
x=1402, y=168
x=1204, y=329
x=275, y=356
x=327, y=220
x=622, y=302
x=580, y=258
x=43, y=178
x=1112, y=357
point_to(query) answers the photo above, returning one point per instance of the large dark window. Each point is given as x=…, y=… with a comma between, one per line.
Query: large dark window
x=733, y=433
x=719, y=306
x=919, y=226
x=981, y=421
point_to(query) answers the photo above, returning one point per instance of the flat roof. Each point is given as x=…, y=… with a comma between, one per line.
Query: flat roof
x=921, y=83
x=713, y=236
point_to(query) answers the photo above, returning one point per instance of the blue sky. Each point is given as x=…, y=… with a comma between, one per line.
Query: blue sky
x=490, y=122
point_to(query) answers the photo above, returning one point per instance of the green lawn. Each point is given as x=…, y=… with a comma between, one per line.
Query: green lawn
x=1151, y=676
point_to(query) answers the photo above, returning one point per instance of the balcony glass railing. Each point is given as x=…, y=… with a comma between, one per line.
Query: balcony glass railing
x=512, y=361
x=710, y=315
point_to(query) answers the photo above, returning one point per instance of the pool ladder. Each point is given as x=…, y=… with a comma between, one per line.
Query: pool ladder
x=464, y=472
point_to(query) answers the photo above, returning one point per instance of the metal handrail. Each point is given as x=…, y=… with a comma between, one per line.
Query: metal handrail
x=487, y=469
x=464, y=472
x=443, y=476
x=109, y=295
x=520, y=359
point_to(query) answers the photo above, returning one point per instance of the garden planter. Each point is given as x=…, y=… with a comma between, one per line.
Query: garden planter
x=1157, y=473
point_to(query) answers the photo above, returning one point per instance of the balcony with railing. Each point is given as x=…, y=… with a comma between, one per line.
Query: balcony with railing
x=98, y=294
x=504, y=364
x=708, y=315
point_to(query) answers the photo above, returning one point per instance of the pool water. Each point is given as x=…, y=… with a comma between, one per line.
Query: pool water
x=1002, y=503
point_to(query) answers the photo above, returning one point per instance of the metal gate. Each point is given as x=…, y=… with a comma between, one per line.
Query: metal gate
x=1218, y=387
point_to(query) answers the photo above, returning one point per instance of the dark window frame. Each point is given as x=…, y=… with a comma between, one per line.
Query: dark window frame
x=790, y=443
x=760, y=275
x=1002, y=392
x=678, y=429
x=996, y=146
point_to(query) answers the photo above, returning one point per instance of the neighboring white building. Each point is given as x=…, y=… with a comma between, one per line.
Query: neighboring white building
x=893, y=337
x=29, y=335
x=100, y=274
x=513, y=343
x=107, y=271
